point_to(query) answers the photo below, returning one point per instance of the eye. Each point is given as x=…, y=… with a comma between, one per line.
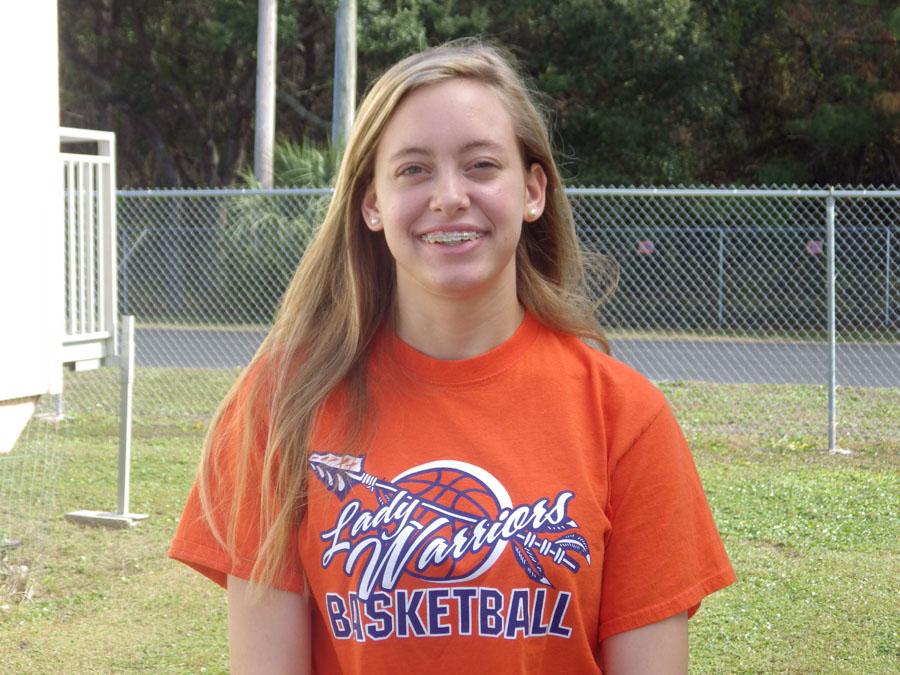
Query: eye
x=410, y=170
x=482, y=165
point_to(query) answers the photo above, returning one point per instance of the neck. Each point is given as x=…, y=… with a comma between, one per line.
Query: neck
x=450, y=328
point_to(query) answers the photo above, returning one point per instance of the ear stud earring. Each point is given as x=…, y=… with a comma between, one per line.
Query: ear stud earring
x=532, y=213
x=375, y=220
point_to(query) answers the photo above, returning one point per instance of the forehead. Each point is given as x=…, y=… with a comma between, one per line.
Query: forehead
x=448, y=115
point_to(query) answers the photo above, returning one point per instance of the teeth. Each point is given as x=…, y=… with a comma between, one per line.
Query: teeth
x=449, y=237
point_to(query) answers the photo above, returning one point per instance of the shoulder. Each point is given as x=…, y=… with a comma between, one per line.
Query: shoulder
x=245, y=411
x=626, y=400
x=621, y=386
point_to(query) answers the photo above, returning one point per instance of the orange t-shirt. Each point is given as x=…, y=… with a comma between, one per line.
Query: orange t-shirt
x=510, y=511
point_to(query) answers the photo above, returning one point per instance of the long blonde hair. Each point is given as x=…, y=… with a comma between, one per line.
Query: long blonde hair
x=342, y=291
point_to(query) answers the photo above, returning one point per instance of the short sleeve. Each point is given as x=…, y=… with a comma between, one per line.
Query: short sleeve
x=194, y=543
x=663, y=552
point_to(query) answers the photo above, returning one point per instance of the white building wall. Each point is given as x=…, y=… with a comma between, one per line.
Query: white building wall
x=31, y=243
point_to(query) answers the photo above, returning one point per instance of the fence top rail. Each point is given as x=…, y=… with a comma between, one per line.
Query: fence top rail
x=571, y=191
x=223, y=192
x=730, y=192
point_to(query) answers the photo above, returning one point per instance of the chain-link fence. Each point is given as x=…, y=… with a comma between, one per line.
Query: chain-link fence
x=733, y=286
x=723, y=287
x=26, y=501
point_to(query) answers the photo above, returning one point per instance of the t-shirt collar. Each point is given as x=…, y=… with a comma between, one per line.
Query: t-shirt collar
x=422, y=367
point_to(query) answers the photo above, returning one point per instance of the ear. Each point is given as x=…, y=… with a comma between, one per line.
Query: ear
x=370, y=213
x=535, y=192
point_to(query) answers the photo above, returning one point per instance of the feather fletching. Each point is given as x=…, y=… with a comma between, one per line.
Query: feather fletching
x=530, y=563
x=575, y=542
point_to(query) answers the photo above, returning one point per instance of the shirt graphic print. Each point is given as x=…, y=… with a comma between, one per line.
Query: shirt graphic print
x=444, y=524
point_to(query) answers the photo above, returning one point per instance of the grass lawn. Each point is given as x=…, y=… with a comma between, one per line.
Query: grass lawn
x=813, y=537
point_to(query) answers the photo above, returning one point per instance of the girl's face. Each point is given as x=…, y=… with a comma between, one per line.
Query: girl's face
x=450, y=192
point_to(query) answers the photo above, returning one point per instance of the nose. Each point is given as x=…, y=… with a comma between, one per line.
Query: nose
x=450, y=195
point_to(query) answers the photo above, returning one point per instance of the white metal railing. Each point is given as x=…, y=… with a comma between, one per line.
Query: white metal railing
x=89, y=182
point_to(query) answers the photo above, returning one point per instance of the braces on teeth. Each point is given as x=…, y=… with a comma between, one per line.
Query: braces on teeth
x=449, y=237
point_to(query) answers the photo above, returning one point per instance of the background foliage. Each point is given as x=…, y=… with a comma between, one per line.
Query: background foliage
x=640, y=91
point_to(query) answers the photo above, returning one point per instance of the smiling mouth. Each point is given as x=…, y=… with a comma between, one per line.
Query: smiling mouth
x=449, y=238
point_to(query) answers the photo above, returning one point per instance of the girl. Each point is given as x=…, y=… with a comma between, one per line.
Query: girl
x=427, y=466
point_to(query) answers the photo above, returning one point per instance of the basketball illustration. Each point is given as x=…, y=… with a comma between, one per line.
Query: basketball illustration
x=456, y=492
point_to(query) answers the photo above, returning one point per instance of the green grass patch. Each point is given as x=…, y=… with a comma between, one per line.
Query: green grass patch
x=812, y=536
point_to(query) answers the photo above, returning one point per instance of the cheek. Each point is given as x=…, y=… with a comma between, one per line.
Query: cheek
x=513, y=236
x=397, y=223
x=504, y=200
x=401, y=210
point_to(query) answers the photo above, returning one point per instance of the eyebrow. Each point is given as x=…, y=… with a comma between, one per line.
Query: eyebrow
x=471, y=145
x=478, y=144
x=404, y=152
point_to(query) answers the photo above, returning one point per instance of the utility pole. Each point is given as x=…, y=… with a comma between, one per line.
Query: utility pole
x=344, y=98
x=265, y=92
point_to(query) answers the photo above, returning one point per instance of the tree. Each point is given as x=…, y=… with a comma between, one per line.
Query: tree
x=818, y=86
x=175, y=78
x=640, y=91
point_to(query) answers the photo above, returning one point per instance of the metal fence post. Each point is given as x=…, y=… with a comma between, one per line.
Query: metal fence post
x=721, y=276
x=124, y=266
x=175, y=246
x=887, y=277
x=832, y=324
x=122, y=516
x=126, y=388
